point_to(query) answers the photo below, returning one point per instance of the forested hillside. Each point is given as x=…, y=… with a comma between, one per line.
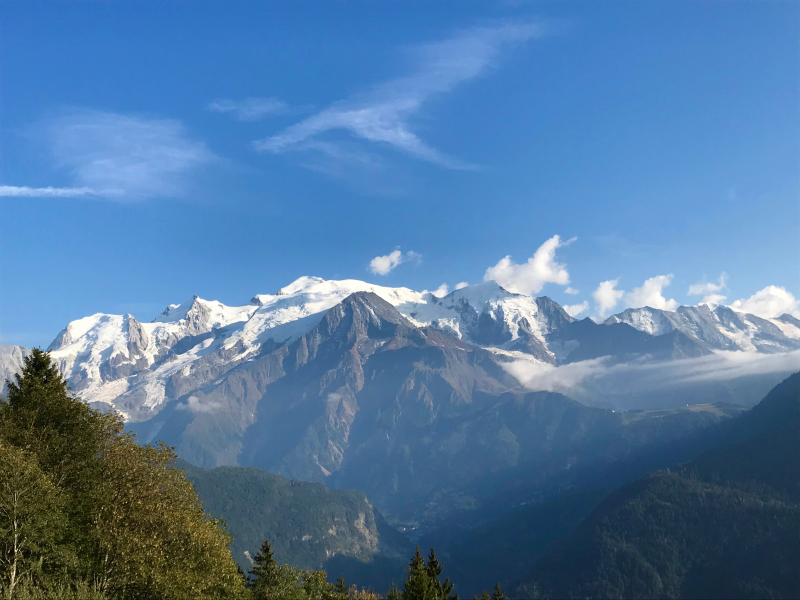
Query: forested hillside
x=306, y=523
x=724, y=525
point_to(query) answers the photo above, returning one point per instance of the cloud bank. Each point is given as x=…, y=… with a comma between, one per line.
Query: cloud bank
x=530, y=277
x=382, y=115
x=593, y=376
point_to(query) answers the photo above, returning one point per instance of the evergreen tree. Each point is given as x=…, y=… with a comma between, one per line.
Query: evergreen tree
x=418, y=585
x=497, y=593
x=434, y=569
x=264, y=566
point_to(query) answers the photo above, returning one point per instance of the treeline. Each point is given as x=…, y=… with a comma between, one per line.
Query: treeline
x=86, y=512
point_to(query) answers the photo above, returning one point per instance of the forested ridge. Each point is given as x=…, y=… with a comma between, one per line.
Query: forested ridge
x=724, y=525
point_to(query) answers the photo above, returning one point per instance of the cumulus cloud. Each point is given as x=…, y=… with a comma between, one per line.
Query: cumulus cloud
x=607, y=296
x=710, y=290
x=114, y=156
x=650, y=294
x=249, y=109
x=382, y=115
x=576, y=309
x=713, y=299
x=194, y=405
x=771, y=302
x=383, y=265
x=461, y=285
x=439, y=292
x=530, y=277
x=570, y=290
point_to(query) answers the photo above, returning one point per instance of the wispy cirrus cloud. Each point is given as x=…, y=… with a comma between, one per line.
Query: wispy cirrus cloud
x=21, y=191
x=383, y=114
x=250, y=109
x=118, y=157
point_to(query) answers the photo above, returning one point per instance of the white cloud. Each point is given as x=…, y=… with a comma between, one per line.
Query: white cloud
x=530, y=277
x=383, y=265
x=382, y=115
x=576, y=309
x=606, y=296
x=441, y=291
x=119, y=157
x=706, y=288
x=461, y=285
x=570, y=290
x=249, y=109
x=713, y=299
x=591, y=377
x=771, y=302
x=14, y=191
x=650, y=294
x=195, y=405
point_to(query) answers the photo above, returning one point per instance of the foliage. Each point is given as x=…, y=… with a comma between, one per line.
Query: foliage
x=83, y=508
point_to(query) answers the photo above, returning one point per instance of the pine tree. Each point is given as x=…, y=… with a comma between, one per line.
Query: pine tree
x=418, y=585
x=265, y=567
x=497, y=593
x=434, y=569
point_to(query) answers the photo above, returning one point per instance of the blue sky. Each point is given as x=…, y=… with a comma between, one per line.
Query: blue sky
x=151, y=151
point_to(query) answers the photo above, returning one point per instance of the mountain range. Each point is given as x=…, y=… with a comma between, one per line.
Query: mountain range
x=406, y=396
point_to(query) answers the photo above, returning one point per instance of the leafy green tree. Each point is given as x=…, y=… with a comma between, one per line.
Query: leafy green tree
x=30, y=518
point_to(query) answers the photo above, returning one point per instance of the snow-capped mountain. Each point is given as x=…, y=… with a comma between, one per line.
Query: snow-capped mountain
x=717, y=327
x=117, y=360
x=11, y=357
x=138, y=367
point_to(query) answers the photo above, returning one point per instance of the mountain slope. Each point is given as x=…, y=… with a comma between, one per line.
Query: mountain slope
x=724, y=525
x=306, y=523
x=417, y=419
